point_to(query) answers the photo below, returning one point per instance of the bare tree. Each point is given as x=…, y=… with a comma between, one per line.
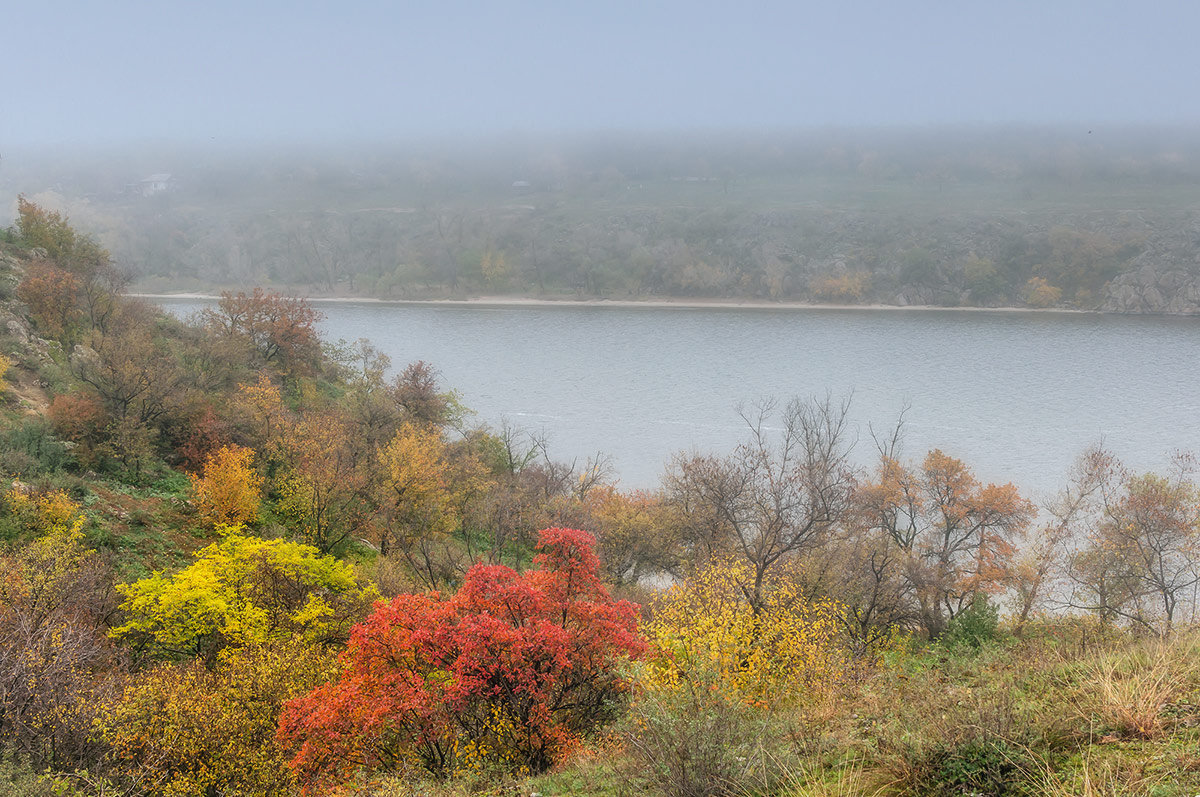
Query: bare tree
x=779, y=494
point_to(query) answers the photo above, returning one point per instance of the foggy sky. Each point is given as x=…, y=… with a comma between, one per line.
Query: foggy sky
x=262, y=70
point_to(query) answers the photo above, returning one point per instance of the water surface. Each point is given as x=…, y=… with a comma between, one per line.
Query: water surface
x=1016, y=395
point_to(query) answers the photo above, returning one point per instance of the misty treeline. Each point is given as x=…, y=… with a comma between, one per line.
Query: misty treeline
x=239, y=559
x=953, y=217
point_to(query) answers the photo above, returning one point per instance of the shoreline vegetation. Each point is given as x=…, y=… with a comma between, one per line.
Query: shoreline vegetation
x=922, y=219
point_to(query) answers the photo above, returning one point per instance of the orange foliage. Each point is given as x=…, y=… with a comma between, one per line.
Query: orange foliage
x=51, y=294
x=956, y=536
x=81, y=418
x=278, y=328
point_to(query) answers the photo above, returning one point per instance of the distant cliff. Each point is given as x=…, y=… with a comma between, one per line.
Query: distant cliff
x=1165, y=278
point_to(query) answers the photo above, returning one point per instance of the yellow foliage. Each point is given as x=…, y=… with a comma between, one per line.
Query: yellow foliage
x=848, y=287
x=5, y=364
x=423, y=488
x=1040, y=293
x=706, y=629
x=264, y=404
x=229, y=491
x=494, y=265
x=33, y=573
x=195, y=732
x=244, y=591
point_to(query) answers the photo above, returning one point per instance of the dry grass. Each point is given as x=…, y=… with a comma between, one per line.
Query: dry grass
x=1130, y=692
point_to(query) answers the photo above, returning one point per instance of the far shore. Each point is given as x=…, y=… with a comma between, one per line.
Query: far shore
x=680, y=303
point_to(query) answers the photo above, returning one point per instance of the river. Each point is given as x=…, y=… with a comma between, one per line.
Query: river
x=1015, y=395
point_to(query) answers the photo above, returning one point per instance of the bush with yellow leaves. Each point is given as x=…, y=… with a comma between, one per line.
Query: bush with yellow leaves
x=788, y=650
x=193, y=731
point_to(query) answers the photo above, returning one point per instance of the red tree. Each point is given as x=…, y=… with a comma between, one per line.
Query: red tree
x=512, y=669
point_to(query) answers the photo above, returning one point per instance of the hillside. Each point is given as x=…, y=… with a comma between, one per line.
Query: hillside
x=1106, y=219
x=237, y=560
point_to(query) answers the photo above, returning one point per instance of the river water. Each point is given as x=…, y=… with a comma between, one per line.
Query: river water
x=1015, y=395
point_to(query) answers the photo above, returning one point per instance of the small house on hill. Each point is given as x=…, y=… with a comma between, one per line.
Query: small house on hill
x=155, y=184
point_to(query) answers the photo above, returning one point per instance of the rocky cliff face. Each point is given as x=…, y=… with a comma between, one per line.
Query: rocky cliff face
x=1165, y=278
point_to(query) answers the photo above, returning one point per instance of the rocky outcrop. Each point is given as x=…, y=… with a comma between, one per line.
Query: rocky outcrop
x=1165, y=278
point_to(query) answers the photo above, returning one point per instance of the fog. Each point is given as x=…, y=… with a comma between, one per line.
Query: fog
x=231, y=73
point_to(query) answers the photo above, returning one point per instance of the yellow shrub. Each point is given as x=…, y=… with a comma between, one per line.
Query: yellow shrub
x=192, y=731
x=788, y=651
x=847, y=287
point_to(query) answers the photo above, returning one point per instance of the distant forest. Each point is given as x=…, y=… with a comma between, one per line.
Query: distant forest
x=1074, y=218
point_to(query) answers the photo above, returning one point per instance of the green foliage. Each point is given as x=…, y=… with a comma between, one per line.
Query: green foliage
x=978, y=766
x=29, y=448
x=975, y=626
x=243, y=590
x=49, y=230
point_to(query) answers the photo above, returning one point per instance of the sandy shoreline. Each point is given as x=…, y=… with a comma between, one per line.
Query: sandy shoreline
x=680, y=304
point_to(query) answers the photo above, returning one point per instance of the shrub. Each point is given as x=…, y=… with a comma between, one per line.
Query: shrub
x=241, y=591
x=693, y=741
x=788, y=651
x=193, y=731
x=510, y=672
x=29, y=448
x=55, y=663
x=973, y=627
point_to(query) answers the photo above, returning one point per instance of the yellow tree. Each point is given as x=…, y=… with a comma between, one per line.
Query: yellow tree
x=638, y=533
x=423, y=491
x=229, y=490
x=325, y=488
x=263, y=406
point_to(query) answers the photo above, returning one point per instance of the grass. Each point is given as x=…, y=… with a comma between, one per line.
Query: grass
x=1067, y=709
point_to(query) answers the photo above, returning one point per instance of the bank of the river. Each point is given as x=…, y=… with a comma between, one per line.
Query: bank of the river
x=681, y=303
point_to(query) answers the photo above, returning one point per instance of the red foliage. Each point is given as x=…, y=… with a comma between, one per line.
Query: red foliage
x=199, y=436
x=514, y=668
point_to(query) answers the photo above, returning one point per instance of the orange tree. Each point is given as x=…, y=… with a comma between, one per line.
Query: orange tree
x=510, y=671
x=949, y=537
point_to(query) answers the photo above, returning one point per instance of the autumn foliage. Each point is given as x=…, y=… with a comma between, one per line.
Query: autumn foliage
x=706, y=631
x=243, y=591
x=276, y=328
x=509, y=671
x=229, y=490
x=191, y=730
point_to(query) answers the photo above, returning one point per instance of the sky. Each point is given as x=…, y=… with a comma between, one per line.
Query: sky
x=296, y=71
